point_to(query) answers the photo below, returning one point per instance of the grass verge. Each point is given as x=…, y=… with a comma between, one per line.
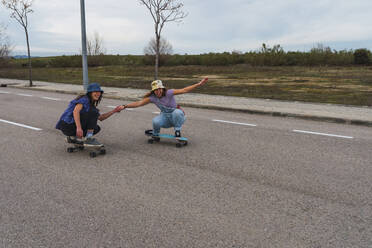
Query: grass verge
x=340, y=85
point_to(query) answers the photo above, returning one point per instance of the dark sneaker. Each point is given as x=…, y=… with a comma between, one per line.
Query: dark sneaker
x=149, y=132
x=74, y=140
x=92, y=142
x=177, y=134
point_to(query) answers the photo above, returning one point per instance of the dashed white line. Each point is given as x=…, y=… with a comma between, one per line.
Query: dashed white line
x=324, y=134
x=221, y=121
x=236, y=123
x=51, y=98
x=20, y=125
x=21, y=94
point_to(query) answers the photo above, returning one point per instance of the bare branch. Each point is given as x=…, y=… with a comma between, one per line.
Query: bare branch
x=165, y=48
x=19, y=10
x=95, y=45
x=5, y=46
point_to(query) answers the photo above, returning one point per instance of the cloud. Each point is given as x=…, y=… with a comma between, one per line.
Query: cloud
x=211, y=25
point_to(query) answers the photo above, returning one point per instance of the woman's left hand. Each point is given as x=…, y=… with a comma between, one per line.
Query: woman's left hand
x=119, y=108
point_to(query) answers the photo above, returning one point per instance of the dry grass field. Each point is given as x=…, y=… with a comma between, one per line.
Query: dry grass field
x=341, y=85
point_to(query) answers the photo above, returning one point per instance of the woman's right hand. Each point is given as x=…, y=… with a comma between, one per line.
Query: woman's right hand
x=79, y=132
x=203, y=81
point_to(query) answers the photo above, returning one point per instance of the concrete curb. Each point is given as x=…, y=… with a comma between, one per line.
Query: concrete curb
x=212, y=107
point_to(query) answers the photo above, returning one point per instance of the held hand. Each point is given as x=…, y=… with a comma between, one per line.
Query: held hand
x=79, y=132
x=119, y=108
x=203, y=81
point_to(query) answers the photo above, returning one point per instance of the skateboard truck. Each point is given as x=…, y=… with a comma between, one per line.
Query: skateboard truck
x=79, y=146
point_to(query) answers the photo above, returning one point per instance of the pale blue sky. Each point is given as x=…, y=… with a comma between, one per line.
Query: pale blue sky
x=211, y=25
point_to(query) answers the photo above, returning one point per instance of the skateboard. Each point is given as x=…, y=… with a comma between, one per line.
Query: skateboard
x=94, y=150
x=182, y=141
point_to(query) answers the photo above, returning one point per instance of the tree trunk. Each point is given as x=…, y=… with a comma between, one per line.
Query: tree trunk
x=156, y=66
x=29, y=59
x=157, y=57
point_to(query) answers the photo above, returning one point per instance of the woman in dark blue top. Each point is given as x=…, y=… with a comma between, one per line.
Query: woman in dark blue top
x=80, y=118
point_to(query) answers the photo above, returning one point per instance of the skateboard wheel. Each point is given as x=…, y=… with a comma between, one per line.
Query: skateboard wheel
x=150, y=141
x=70, y=149
x=102, y=152
x=93, y=154
x=185, y=143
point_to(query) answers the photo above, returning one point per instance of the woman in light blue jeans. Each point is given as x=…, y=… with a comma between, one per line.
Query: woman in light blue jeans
x=171, y=115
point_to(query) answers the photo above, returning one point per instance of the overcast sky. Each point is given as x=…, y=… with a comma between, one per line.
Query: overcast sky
x=211, y=26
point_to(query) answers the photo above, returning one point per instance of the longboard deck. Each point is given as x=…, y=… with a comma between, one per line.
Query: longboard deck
x=169, y=136
x=182, y=141
x=94, y=150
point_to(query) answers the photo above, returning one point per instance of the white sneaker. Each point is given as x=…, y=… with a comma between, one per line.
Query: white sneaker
x=92, y=142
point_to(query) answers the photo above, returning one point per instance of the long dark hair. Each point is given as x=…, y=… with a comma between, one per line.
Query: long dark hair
x=148, y=94
x=89, y=95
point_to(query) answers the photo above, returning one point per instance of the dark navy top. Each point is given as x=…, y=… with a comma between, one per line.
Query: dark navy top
x=68, y=116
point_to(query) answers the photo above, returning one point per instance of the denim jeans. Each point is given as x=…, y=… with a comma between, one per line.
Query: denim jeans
x=167, y=120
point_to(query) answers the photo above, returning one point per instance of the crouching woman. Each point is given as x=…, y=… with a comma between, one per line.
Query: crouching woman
x=171, y=115
x=80, y=118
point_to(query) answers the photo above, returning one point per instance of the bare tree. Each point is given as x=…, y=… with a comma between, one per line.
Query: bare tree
x=163, y=11
x=165, y=48
x=20, y=9
x=5, y=47
x=95, y=45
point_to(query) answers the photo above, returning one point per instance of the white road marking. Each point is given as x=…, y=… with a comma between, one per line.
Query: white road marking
x=236, y=123
x=20, y=94
x=156, y=113
x=324, y=134
x=4, y=92
x=50, y=98
x=20, y=125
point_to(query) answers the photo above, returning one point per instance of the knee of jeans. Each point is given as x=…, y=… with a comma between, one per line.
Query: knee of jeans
x=178, y=113
x=156, y=122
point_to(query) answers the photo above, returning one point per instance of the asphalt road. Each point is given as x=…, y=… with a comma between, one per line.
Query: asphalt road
x=242, y=181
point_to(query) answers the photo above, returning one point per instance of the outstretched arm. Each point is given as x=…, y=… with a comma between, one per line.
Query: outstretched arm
x=104, y=116
x=143, y=102
x=190, y=88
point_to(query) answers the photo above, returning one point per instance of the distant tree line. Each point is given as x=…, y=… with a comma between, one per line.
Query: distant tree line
x=266, y=56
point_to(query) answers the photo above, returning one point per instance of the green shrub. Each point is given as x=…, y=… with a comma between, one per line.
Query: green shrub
x=362, y=56
x=40, y=63
x=66, y=61
x=266, y=56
